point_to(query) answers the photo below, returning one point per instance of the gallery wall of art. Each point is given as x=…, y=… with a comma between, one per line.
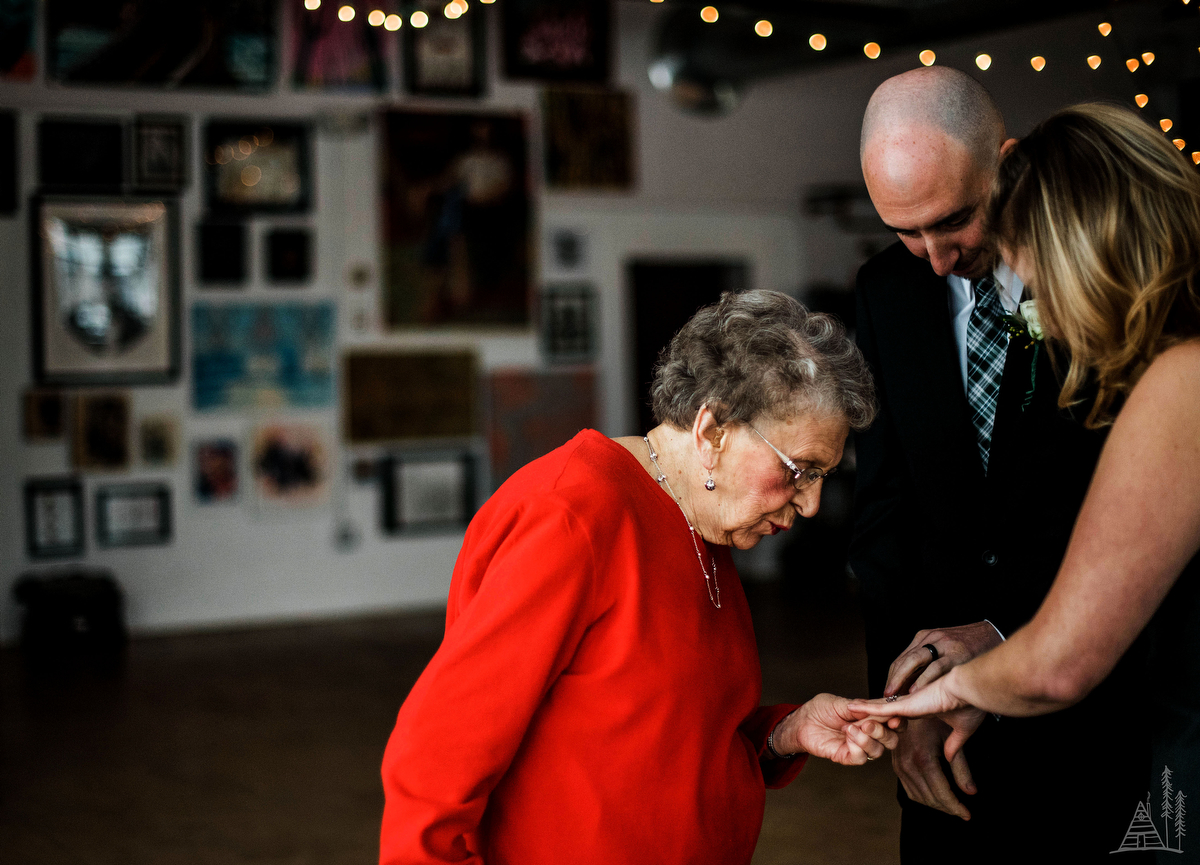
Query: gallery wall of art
x=277, y=319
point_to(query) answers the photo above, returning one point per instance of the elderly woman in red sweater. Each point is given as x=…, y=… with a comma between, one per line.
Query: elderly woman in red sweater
x=596, y=696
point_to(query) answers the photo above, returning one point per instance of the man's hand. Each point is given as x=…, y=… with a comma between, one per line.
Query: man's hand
x=916, y=762
x=916, y=667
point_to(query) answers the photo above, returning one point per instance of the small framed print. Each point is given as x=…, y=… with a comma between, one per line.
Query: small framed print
x=158, y=438
x=8, y=163
x=160, y=153
x=221, y=253
x=257, y=167
x=100, y=437
x=290, y=464
x=105, y=291
x=428, y=492
x=133, y=515
x=216, y=471
x=568, y=326
x=85, y=156
x=54, y=517
x=557, y=40
x=45, y=415
x=289, y=255
x=446, y=57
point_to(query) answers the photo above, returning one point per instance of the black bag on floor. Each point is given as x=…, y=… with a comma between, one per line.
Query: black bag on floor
x=71, y=616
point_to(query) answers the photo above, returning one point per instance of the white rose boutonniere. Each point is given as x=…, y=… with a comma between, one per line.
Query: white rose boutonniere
x=1027, y=323
x=1033, y=321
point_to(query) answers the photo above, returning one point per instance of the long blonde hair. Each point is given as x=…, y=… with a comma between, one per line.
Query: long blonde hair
x=1107, y=213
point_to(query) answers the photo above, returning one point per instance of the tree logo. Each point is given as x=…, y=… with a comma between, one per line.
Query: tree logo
x=1142, y=834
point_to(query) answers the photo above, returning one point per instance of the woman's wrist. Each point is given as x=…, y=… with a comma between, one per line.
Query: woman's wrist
x=780, y=746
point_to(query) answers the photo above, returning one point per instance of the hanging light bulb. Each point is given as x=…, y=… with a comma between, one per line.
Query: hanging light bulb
x=1038, y=63
x=1142, y=100
x=1132, y=64
x=927, y=57
x=418, y=19
x=872, y=50
x=346, y=13
x=376, y=17
x=1179, y=142
x=393, y=22
x=983, y=61
x=1148, y=57
x=817, y=42
x=1105, y=28
x=1165, y=124
x=764, y=28
x=312, y=5
x=1094, y=61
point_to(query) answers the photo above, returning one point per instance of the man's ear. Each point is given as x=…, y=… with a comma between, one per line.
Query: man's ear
x=1007, y=146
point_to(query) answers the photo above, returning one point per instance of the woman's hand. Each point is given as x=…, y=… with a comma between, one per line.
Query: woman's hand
x=825, y=727
x=940, y=699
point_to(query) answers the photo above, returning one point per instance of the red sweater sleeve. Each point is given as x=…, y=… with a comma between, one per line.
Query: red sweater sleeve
x=756, y=728
x=521, y=591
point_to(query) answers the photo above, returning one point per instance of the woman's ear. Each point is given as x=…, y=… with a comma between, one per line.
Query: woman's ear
x=708, y=437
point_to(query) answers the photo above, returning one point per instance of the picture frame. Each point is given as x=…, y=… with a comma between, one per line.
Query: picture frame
x=330, y=54
x=568, y=322
x=44, y=415
x=446, y=57
x=291, y=464
x=221, y=254
x=588, y=139
x=557, y=40
x=101, y=431
x=93, y=324
x=9, y=183
x=533, y=411
x=257, y=167
x=394, y=396
x=158, y=440
x=427, y=492
x=133, y=515
x=18, y=40
x=161, y=155
x=216, y=471
x=81, y=156
x=54, y=517
x=289, y=256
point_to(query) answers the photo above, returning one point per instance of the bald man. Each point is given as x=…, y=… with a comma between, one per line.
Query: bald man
x=967, y=492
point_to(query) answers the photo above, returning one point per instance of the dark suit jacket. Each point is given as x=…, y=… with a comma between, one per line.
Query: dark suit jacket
x=937, y=544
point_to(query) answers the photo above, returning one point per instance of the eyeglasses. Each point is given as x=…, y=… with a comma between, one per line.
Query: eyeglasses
x=801, y=478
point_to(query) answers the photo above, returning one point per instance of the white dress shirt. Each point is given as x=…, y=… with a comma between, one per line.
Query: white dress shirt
x=962, y=304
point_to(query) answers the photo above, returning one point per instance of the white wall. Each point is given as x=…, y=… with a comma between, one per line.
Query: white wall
x=727, y=187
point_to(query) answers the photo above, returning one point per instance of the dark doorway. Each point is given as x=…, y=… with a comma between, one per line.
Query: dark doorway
x=665, y=295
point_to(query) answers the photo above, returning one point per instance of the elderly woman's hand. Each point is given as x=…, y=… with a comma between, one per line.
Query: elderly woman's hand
x=942, y=699
x=824, y=727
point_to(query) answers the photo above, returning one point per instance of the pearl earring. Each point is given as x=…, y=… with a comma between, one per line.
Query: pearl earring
x=710, y=484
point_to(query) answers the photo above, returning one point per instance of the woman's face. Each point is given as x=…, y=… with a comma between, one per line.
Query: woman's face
x=756, y=496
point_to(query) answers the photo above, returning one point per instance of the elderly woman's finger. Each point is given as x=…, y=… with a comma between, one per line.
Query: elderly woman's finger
x=868, y=744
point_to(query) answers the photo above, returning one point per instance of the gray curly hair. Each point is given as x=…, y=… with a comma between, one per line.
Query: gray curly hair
x=761, y=353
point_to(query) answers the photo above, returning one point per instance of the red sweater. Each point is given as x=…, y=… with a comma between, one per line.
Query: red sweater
x=588, y=703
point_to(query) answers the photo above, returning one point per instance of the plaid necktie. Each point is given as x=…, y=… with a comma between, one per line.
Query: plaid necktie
x=987, y=343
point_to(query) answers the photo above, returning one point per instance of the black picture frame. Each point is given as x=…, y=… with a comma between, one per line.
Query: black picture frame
x=221, y=249
x=534, y=29
x=161, y=154
x=48, y=502
x=133, y=515
x=568, y=322
x=84, y=156
x=446, y=57
x=428, y=492
x=289, y=255
x=258, y=166
x=61, y=355
x=8, y=163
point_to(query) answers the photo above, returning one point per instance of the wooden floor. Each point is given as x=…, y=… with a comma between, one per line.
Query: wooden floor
x=264, y=747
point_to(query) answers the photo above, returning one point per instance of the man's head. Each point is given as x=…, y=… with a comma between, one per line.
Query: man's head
x=931, y=140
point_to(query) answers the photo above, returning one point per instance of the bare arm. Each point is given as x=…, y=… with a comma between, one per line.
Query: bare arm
x=1138, y=527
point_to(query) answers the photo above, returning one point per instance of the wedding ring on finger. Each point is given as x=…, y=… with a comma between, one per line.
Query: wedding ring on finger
x=869, y=758
x=932, y=650
x=892, y=698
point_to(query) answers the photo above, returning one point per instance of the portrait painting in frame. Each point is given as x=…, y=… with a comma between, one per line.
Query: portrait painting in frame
x=106, y=291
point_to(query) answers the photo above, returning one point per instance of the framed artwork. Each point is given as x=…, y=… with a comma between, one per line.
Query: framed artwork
x=18, y=29
x=391, y=396
x=291, y=464
x=81, y=156
x=257, y=355
x=557, y=40
x=44, y=415
x=568, y=327
x=227, y=44
x=257, y=167
x=54, y=517
x=289, y=255
x=428, y=492
x=588, y=139
x=533, y=412
x=215, y=471
x=221, y=253
x=133, y=515
x=568, y=249
x=106, y=291
x=100, y=438
x=456, y=219
x=8, y=163
x=160, y=153
x=445, y=57
x=158, y=440
x=330, y=53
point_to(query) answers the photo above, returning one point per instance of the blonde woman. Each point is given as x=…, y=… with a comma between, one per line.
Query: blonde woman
x=1099, y=215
